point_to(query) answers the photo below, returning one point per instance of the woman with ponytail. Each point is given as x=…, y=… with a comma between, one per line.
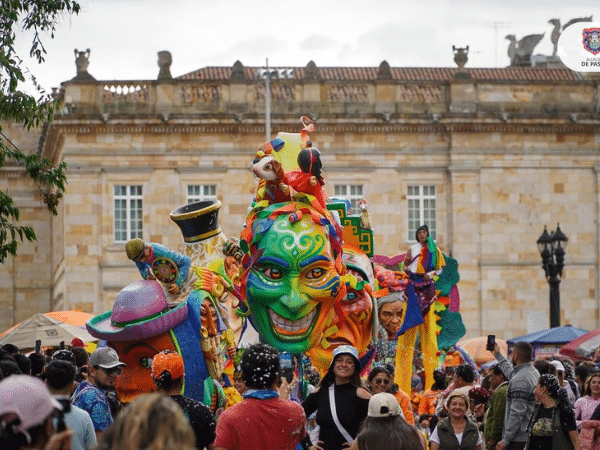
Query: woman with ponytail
x=552, y=426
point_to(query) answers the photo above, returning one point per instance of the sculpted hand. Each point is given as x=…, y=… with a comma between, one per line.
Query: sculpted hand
x=173, y=289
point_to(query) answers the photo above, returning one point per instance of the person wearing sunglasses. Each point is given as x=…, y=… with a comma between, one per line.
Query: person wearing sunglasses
x=103, y=369
x=381, y=380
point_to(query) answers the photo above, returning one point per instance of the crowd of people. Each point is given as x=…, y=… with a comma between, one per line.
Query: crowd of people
x=67, y=401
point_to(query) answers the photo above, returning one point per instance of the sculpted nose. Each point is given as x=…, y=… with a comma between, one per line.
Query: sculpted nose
x=294, y=301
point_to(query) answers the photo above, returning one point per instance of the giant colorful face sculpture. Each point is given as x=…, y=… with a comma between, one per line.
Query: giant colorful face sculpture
x=293, y=279
x=354, y=321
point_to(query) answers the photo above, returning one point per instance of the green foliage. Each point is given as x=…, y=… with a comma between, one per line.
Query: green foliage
x=39, y=18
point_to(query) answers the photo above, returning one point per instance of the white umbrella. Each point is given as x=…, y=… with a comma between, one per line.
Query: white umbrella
x=46, y=329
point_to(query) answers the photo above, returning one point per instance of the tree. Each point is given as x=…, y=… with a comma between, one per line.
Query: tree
x=38, y=17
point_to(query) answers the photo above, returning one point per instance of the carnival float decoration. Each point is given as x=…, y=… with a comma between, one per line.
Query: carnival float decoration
x=197, y=319
x=302, y=274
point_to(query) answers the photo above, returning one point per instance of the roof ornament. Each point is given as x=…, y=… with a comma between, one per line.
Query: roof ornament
x=556, y=32
x=520, y=51
x=164, y=63
x=237, y=71
x=82, y=61
x=461, y=58
x=384, y=72
x=311, y=72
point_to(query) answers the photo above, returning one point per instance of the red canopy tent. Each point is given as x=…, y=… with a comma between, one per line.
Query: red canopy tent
x=582, y=347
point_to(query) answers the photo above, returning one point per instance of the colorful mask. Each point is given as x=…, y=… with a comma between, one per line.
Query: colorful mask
x=293, y=279
x=355, y=325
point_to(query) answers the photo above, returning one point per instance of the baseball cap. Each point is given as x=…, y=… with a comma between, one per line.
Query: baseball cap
x=559, y=366
x=105, y=357
x=383, y=404
x=76, y=342
x=28, y=398
x=167, y=361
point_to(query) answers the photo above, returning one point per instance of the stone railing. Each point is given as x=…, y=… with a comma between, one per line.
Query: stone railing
x=289, y=96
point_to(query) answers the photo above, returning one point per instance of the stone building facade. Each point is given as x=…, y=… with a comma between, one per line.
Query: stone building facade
x=489, y=155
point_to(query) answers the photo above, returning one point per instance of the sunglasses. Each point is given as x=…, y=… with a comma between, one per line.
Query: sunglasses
x=113, y=371
x=381, y=381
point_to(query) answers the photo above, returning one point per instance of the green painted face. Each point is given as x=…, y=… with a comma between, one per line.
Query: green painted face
x=292, y=287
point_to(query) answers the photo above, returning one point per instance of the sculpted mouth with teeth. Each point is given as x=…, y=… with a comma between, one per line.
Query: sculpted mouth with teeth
x=293, y=328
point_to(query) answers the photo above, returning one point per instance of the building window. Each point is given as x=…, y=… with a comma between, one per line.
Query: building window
x=200, y=192
x=128, y=213
x=350, y=192
x=421, y=209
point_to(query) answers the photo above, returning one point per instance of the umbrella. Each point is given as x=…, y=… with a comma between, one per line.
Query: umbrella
x=476, y=348
x=49, y=330
x=582, y=347
x=75, y=318
x=556, y=335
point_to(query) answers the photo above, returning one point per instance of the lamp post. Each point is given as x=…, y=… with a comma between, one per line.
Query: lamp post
x=552, y=249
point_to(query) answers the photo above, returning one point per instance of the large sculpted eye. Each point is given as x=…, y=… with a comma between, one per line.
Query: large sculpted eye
x=146, y=362
x=271, y=272
x=315, y=273
x=351, y=296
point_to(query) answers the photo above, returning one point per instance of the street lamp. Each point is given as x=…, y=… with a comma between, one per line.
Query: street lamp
x=552, y=249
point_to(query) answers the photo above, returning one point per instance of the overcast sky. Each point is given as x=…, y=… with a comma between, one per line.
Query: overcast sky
x=125, y=36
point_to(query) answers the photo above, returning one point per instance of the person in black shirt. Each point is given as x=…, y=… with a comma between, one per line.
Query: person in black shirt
x=552, y=426
x=351, y=400
x=167, y=373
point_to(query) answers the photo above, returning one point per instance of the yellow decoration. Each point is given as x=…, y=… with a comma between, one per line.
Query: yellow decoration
x=232, y=395
x=406, y=350
x=288, y=155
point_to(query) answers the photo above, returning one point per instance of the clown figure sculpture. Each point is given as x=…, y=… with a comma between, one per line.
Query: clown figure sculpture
x=358, y=321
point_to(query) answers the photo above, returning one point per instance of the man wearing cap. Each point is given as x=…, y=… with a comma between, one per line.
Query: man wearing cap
x=103, y=370
x=26, y=412
x=520, y=397
x=168, y=376
x=157, y=262
x=262, y=420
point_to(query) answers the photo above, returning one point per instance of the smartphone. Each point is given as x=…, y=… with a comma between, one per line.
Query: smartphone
x=491, y=342
x=38, y=346
x=286, y=366
x=60, y=415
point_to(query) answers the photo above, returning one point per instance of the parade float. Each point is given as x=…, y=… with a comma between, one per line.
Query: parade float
x=301, y=275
